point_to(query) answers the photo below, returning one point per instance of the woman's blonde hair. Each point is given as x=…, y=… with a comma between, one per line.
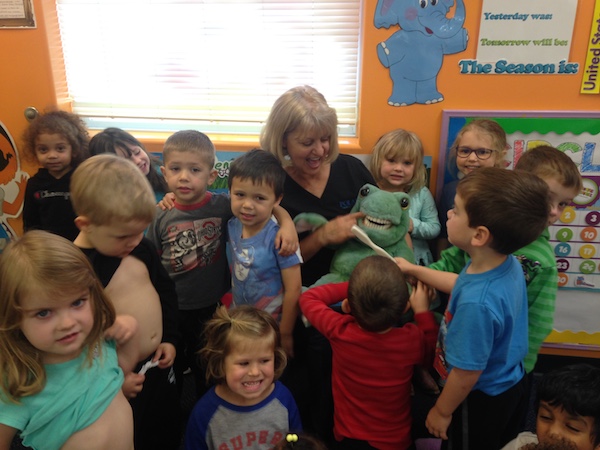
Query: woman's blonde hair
x=400, y=144
x=229, y=328
x=488, y=127
x=300, y=108
x=42, y=261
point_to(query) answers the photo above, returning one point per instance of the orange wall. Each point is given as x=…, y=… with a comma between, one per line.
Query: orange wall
x=26, y=80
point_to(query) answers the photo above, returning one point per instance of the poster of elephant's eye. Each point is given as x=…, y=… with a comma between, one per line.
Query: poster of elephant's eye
x=414, y=54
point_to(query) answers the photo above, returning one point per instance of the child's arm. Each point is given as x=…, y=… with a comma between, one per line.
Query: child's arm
x=128, y=353
x=427, y=225
x=31, y=212
x=409, y=242
x=315, y=302
x=125, y=332
x=442, y=281
x=452, y=259
x=286, y=239
x=457, y=388
x=541, y=298
x=7, y=435
x=292, y=288
x=419, y=303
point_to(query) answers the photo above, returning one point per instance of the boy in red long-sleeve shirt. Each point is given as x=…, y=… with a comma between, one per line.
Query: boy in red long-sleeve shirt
x=373, y=360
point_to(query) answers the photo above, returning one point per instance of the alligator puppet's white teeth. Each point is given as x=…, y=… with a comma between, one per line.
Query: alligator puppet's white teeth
x=379, y=224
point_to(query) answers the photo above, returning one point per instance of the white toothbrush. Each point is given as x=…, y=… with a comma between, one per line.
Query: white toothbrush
x=365, y=239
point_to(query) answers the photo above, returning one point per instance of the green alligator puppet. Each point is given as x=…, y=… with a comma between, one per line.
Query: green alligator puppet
x=386, y=222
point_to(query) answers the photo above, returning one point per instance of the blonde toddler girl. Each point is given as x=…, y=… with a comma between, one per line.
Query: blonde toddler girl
x=397, y=166
x=247, y=407
x=61, y=382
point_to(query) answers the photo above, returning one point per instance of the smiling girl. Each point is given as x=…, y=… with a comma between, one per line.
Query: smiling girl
x=397, y=166
x=479, y=143
x=247, y=407
x=125, y=145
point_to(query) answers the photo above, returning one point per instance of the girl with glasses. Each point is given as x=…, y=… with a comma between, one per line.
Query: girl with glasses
x=480, y=143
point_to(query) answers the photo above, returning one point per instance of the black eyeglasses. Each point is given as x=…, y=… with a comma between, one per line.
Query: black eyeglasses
x=481, y=153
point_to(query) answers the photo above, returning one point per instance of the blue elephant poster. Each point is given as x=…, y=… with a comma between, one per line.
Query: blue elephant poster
x=414, y=54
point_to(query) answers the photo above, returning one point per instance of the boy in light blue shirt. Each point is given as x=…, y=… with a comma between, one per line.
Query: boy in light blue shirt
x=261, y=277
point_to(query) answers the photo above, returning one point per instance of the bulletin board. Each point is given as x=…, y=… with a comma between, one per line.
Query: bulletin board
x=575, y=237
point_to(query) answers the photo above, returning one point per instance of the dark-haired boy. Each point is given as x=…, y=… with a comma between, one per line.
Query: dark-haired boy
x=537, y=258
x=483, y=336
x=261, y=277
x=568, y=409
x=373, y=360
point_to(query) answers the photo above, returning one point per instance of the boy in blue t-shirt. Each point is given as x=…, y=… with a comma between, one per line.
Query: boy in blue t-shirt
x=483, y=336
x=261, y=277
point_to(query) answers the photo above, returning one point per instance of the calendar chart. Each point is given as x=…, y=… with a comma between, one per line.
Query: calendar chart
x=575, y=238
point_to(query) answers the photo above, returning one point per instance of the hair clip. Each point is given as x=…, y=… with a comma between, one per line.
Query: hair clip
x=291, y=438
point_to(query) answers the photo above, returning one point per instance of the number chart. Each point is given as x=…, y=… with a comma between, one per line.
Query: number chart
x=575, y=238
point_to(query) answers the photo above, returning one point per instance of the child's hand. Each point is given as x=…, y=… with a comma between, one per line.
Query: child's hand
x=133, y=384
x=124, y=328
x=411, y=226
x=125, y=332
x=437, y=423
x=404, y=265
x=287, y=342
x=419, y=298
x=286, y=241
x=165, y=355
x=167, y=202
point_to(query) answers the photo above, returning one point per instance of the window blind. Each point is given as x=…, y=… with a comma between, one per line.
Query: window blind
x=215, y=64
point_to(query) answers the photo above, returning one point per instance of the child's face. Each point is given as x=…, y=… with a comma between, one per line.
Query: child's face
x=474, y=140
x=554, y=422
x=459, y=231
x=396, y=173
x=53, y=152
x=138, y=156
x=252, y=204
x=116, y=239
x=249, y=372
x=57, y=327
x=188, y=176
x=560, y=198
